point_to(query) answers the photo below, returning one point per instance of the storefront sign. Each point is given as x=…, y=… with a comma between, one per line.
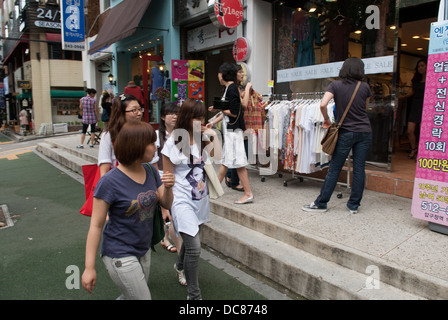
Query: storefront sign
x=241, y=49
x=41, y=16
x=72, y=20
x=226, y=14
x=376, y=65
x=24, y=84
x=208, y=37
x=430, y=197
x=188, y=79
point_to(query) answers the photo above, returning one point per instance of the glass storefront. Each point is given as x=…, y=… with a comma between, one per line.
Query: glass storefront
x=324, y=34
x=313, y=38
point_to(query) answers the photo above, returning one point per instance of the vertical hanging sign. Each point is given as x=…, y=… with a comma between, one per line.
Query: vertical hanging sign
x=430, y=197
x=241, y=49
x=72, y=23
x=226, y=14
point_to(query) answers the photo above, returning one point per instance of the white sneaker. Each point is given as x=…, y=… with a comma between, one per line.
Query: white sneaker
x=313, y=208
x=180, y=276
x=80, y=146
x=352, y=211
x=91, y=145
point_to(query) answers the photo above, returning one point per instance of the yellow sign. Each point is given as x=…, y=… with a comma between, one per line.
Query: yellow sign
x=24, y=84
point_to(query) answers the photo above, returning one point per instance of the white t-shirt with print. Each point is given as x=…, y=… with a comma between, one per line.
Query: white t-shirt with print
x=191, y=205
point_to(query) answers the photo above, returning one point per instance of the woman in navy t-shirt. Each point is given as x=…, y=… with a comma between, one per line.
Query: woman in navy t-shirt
x=129, y=193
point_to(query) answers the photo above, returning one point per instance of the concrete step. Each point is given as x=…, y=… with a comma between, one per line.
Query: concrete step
x=76, y=152
x=301, y=272
x=299, y=242
x=305, y=259
x=68, y=159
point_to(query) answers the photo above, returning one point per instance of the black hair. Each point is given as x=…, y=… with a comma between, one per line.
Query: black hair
x=417, y=75
x=352, y=69
x=89, y=91
x=228, y=71
x=167, y=108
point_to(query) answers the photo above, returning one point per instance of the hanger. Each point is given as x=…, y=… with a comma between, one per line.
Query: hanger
x=339, y=17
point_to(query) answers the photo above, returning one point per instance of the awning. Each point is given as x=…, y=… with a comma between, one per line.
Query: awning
x=25, y=95
x=23, y=38
x=122, y=22
x=67, y=93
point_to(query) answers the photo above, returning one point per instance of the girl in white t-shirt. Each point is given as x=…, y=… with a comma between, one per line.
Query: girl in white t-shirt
x=184, y=154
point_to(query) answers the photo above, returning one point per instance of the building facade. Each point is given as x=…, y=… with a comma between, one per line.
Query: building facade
x=40, y=77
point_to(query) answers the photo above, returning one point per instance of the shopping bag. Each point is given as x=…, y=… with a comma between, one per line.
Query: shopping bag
x=215, y=189
x=158, y=231
x=91, y=174
x=330, y=139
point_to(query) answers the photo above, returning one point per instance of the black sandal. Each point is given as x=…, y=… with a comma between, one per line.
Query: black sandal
x=227, y=182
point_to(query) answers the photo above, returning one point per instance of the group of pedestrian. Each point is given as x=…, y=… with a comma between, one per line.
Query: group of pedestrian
x=89, y=112
x=129, y=189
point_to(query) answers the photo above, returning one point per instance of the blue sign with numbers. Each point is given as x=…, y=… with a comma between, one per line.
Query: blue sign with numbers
x=72, y=23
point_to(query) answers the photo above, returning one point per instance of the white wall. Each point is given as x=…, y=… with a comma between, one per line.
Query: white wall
x=66, y=73
x=259, y=33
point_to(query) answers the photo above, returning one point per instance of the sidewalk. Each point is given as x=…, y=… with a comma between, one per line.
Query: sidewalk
x=383, y=234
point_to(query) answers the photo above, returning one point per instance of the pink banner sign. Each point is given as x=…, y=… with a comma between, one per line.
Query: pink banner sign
x=430, y=197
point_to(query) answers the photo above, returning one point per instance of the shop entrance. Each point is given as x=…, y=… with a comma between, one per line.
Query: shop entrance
x=414, y=28
x=152, y=79
x=213, y=59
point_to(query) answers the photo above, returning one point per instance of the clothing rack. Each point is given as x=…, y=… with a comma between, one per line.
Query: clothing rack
x=301, y=177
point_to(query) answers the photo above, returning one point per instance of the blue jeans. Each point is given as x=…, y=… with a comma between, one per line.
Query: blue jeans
x=359, y=142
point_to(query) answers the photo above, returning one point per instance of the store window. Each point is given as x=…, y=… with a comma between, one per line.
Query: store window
x=55, y=52
x=326, y=33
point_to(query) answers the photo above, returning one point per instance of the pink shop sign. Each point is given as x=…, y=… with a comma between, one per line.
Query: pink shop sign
x=430, y=196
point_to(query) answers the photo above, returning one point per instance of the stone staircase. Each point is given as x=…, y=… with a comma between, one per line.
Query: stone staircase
x=309, y=266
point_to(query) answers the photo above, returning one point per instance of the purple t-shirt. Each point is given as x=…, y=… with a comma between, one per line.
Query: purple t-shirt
x=132, y=206
x=357, y=119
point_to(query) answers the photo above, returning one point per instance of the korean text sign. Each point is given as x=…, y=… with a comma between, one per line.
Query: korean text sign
x=430, y=197
x=72, y=22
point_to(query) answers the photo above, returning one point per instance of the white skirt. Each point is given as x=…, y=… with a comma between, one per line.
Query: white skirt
x=234, y=153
